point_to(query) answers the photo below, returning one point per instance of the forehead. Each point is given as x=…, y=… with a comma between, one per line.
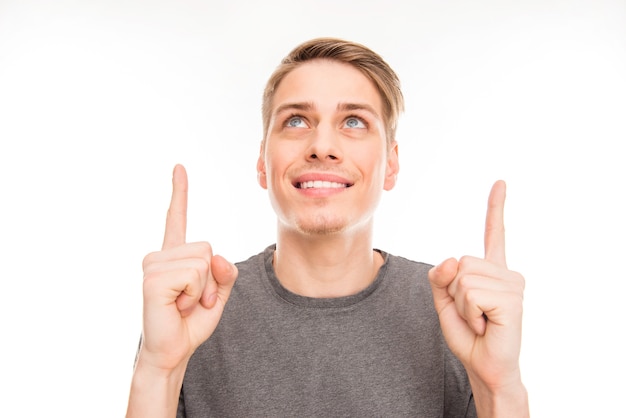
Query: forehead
x=326, y=83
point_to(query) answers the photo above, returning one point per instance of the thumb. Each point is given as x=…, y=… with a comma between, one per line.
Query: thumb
x=224, y=273
x=440, y=278
x=223, y=270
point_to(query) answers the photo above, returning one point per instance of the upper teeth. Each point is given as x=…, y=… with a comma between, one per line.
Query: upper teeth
x=317, y=184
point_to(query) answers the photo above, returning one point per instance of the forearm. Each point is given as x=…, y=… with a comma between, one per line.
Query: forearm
x=154, y=393
x=504, y=402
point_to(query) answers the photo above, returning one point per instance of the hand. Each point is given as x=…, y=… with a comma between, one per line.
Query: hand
x=185, y=289
x=479, y=302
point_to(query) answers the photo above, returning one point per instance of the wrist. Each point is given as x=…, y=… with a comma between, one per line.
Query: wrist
x=504, y=400
x=155, y=391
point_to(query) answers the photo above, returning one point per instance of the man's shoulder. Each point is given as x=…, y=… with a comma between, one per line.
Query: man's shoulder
x=404, y=265
x=251, y=272
x=254, y=262
x=401, y=276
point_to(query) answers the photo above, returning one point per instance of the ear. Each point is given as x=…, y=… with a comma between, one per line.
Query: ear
x=393, y=166
x=260, y=168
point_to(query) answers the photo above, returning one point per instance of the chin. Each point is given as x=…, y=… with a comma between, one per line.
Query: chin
x=320, y=230
x=321, y=226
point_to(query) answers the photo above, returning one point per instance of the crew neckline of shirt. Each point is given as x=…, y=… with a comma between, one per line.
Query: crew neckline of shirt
x=320, y=303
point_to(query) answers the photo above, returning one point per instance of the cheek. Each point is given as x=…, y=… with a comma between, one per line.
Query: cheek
x=279, y=159
x=275, y=168
x=372, y=162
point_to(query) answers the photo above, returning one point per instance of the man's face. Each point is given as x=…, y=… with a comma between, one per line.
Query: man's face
x=326, y=160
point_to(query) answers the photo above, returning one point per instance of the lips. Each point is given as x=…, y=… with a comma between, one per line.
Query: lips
x=321, y=181
x=318, y=184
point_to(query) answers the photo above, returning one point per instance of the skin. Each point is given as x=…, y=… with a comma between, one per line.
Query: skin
x=184, y=293
x=327, y=126
x=479, y=302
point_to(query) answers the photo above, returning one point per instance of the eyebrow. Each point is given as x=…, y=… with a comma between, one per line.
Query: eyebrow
x=304, y=106
x=357, y=106
x=308, y=106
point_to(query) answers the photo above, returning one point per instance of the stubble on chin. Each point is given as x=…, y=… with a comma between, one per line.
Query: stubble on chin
x=320, y=226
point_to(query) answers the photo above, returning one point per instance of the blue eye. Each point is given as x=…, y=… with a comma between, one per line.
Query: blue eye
x=295, y=122
x=355, y=123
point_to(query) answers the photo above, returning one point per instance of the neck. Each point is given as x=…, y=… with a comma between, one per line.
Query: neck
x=326, y=266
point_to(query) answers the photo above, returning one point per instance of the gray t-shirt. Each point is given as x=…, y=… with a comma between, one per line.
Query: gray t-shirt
x=378, y=353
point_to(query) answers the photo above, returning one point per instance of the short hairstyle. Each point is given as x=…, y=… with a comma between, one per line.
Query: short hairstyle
x=360, y=57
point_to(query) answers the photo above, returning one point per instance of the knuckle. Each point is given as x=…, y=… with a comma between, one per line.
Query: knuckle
x=464, y=283
x=465, y=263
x=205, y=247
x=150, y=282
x=148, y=259
x=470, y=296
x=202, y=267
x=194, y=276
x=517, y=280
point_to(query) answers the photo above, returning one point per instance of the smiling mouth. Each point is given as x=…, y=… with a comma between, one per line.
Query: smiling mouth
x=319, y=184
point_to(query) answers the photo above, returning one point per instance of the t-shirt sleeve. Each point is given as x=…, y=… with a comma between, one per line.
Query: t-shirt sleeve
x=459, y=400
x=180, y=412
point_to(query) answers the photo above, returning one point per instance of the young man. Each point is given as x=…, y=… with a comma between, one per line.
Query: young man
x=322, y=324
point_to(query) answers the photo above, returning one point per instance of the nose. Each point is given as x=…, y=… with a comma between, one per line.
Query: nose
x=325, y=146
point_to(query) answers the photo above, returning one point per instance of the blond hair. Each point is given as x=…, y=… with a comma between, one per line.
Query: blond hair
x=359, y=56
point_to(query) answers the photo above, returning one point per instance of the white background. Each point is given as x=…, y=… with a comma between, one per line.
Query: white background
x=99, y=99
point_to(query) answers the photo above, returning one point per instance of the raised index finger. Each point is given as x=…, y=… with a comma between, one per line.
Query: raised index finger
x=176, y=222
x=494, y=225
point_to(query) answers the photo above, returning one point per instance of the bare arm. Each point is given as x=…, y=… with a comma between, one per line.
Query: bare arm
x=479, y=302
x=185, y=289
